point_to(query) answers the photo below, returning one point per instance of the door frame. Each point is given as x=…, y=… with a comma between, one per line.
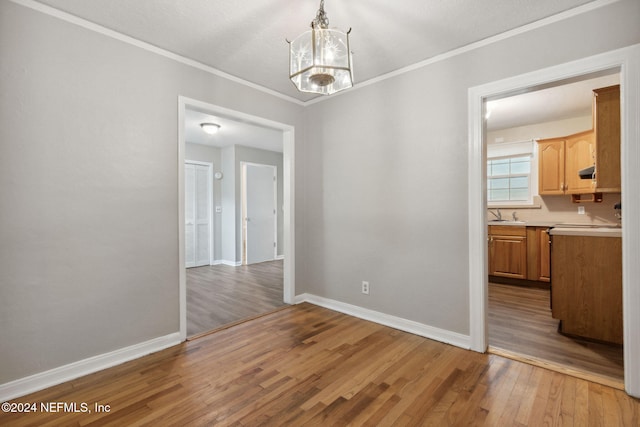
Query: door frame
x=288, y=185
x=627, y=61
x=243, y=191
x=209, y=166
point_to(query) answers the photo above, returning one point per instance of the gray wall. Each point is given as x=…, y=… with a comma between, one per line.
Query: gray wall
x=88, y=169
x=385, y=172
x=204, y=153
x=88, y=186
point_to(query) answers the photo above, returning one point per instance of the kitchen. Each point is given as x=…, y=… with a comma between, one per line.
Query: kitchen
x=554, y=228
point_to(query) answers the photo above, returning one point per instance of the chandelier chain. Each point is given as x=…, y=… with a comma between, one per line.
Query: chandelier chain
x=321, y=20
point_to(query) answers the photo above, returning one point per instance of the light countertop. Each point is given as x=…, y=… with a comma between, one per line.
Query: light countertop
x=524, y=223
x=593, y=231
x=569, y=229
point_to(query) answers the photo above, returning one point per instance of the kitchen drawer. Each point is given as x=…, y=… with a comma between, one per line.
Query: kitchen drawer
x=507, y=230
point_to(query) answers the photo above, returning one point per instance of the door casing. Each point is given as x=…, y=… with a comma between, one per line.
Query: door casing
x=627, y=61
x=288, y=186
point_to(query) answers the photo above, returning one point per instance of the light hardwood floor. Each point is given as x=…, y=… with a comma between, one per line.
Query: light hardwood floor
x=520, y=322
x=305, y=365
x=219, y=295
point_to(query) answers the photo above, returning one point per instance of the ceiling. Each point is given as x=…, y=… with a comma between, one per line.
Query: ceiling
x=232, y=132
x=248, y=40
x=565, y=101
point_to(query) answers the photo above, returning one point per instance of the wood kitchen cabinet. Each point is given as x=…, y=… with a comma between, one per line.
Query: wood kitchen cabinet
x=538, y=254
x=586, y=291
x=508, y=251
x=579, y=154
x=560, y=159
x=606, y=124
x=551, y=154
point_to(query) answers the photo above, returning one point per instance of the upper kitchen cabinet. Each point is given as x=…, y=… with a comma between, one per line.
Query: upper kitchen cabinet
x=551, y=166
x=580, y=154
x=561, y=159
x=606, y=124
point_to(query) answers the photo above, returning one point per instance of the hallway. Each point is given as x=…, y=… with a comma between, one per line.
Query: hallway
x=218, y=295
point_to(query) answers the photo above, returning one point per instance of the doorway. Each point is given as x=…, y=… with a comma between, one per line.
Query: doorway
x=259, y=213
x=627, y=61
x=286, y=133
x=521, y=323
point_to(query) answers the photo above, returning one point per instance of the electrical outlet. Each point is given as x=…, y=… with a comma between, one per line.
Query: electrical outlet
x=365, y=287
x=580, y=210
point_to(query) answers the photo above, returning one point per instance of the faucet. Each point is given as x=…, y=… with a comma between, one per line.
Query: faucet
x=513, y=215
x=498, y=215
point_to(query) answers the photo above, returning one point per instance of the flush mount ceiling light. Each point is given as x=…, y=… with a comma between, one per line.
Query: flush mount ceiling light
x=210, y=128
x=320, y=59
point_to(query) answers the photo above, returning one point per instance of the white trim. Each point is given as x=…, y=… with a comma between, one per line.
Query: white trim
x=478, y=271
x=289, y=220
x=48, y=10
x=630, y=165
x=476, y=45
x=182, y=270
x=627, y=60
x=42, y=380
x=72, y=19
x=442, y=335
x=279, y=257
x=288, y=161
x=227, y=262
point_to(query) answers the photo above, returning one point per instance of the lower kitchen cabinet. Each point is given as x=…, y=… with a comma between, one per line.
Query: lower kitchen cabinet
x=519, y=252
x=538, y=254
x=508, y=251
x=586, y=294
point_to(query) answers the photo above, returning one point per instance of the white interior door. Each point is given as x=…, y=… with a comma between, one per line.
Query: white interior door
x=197, y=214
x=260, y=208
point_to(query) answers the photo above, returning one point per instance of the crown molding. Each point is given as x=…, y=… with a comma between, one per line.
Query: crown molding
x=51, y=11
x=475, y=45
x=72, y=19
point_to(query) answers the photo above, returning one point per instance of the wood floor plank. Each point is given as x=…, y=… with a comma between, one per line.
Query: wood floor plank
x=520, y=322
x=219, y=295
x=287, y=369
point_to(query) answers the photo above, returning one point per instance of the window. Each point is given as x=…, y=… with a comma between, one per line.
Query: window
x=509, y=180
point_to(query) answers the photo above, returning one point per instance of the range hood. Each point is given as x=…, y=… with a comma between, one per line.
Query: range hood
x=588, y=173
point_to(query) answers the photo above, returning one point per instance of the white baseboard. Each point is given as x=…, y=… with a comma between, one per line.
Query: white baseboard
x=225, y=262
x=442, y=335
x=42, y=380
x=279, y=257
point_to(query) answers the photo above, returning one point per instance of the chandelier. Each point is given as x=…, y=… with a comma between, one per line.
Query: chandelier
x=320, y=59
